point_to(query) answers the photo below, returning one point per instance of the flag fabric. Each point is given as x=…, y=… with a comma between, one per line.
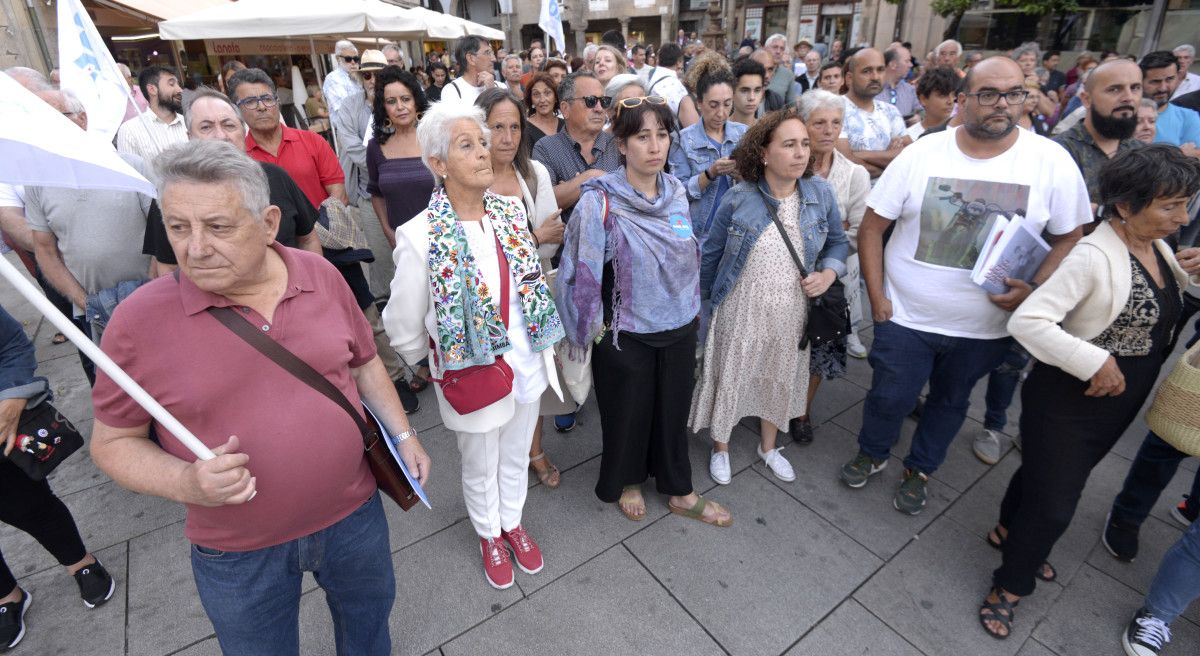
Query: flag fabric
x=505, y=6
x=44, y=148
x=550, y=21
x=88, y=70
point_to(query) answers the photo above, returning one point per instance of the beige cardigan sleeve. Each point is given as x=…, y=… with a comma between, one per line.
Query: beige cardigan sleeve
x=404, y=316
x=860, y=186
x=1035, y=324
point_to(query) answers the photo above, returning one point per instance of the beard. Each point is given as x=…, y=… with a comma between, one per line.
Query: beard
x=1115, y=127
x=172, y=104
x=982, y=130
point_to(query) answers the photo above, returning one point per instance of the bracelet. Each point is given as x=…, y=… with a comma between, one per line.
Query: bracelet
x=400, y=437
x=708, y=175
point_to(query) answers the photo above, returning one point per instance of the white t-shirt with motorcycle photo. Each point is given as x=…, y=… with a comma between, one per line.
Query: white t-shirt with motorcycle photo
x=943, y=203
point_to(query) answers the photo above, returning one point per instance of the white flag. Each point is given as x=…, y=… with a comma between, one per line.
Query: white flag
x=88, y=70
x=550, y=21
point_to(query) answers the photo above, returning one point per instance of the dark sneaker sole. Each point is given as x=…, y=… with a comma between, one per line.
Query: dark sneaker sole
x=112, y=586
x=20, y=623
x=1104, y=541
x=859, y=485
x=896, y=505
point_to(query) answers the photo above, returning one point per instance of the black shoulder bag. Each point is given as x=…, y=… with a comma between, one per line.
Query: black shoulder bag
x=829, y=313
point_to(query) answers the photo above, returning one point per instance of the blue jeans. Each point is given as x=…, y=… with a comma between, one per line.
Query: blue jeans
x=1177, y=583
x=1002, y=386
x=253, y=597
x=1152, y=470
x=903, y=360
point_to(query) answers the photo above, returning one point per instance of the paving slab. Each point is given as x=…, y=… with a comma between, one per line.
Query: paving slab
x=743, y=452
x=1155, y=538
x=611, y=605
x=1092, y=613
x=444, y=491
x=760, y=584
x=165, y=613
x=57, y=621
x=865, y=514
x=1034, y=648
x=931, y=591
x=852, y=630
x=209, y=647
x=72, y=394
x=833, y=398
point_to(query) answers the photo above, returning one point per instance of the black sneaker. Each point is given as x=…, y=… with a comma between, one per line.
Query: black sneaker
x=1146, y=635
x=911, y=495
x=801, y=430
x=856, y=472
x=1120, y=538
x=96, y=586
x=12, y=621
x=407, y=398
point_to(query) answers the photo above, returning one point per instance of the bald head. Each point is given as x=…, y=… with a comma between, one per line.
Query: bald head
x=994, y=68
x=1110, y=70
x=864, y=55
x=1112, y=95
x=28, y=78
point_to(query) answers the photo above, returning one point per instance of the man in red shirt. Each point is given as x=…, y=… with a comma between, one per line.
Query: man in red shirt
x=303, y=154
x=316, y=507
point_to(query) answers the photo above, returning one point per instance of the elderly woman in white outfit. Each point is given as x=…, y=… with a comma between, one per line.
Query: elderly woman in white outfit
x=469, y=286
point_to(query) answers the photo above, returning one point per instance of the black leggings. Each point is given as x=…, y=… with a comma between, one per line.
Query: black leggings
x=32, y=507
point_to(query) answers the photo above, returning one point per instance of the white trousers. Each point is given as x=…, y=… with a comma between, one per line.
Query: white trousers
x=495, y=471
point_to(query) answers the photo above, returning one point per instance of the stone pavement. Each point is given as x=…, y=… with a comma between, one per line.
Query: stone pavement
x=809, y=568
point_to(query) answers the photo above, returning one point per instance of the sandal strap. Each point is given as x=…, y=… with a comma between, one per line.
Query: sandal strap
x=540, y=456
x=697, y=510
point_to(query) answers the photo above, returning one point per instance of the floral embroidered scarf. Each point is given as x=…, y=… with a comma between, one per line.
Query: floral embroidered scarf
x=470, y=331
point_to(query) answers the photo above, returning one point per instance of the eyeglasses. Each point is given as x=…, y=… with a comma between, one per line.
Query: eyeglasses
x=255, y=102
x=630, y=103
x=348, y=60
x=591, y=101
x=989, y=98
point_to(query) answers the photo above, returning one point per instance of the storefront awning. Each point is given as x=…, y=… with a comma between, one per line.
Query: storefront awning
x=162, y=9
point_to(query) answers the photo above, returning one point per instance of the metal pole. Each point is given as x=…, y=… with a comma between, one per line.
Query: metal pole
x=1158, y=15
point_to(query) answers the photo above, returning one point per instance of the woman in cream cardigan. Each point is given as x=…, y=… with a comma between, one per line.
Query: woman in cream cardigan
x=454, y=263
x=1100, y=328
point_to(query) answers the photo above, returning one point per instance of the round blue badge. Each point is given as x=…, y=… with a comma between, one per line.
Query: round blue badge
x=682, y=226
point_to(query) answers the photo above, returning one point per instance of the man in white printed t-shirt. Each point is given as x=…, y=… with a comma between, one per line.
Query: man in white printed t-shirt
x=873, y=132
x=932, y=323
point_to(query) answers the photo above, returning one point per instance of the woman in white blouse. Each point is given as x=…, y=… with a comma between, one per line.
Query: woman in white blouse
x=470, y=287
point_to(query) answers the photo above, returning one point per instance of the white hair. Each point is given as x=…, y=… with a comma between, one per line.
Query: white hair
x=208, y=161
x=590, y=50
x=344, y=45
x=775, y=37
x=618, y=83
x=433, y=132
x=72, y=102
x=949, y=43
x=1187, y=48
x=814, y=99
x=29, y=78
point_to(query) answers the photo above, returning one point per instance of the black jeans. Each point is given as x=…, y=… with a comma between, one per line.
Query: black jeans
x=33, y=508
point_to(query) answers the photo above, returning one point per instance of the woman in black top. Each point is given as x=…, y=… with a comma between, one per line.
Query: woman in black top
x=541, y=103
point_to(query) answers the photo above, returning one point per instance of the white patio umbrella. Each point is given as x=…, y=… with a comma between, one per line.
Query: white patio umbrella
x=42, y=147
x=452, y=27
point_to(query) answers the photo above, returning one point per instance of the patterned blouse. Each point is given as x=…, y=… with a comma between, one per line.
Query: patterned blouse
x=1145, y=323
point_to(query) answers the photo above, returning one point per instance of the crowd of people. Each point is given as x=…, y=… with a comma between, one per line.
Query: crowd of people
x=663, y=227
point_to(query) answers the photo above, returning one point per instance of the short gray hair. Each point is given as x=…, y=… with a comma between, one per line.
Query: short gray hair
x=619, y=82
x=468, y=45
x=1026, y=49
x=72, y=102
x=207, y=92
x=814, y=99
x=566, y=89
x=590, y=50
x=214, y=162
x=1149, y=103
x=775, y=37
x=433, y=131
x=511, y=56
x=344, y=45
x=29, y=78
x=1186, y=47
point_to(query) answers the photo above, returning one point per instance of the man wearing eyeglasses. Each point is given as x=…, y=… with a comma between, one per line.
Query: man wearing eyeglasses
x=476, y=65
x=341, y=83
x=302, y=153
x=933, y=324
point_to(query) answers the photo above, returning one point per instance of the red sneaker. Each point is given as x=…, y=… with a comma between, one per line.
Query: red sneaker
x=497, y=568
x=529, y=557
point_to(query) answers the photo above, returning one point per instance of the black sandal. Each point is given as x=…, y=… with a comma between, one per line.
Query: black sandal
x=998, y=544
x=998, y=611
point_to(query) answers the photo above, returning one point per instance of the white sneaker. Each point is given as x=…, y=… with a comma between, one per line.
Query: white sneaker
x=777, y=464
x=987, y=447
x=854, y=347
x=718, y=467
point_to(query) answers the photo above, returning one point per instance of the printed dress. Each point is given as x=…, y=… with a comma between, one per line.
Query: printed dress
x=752, y=366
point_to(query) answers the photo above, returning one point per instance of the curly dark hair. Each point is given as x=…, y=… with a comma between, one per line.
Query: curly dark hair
x=753, y=146
x=388, y=75
x=544, y=78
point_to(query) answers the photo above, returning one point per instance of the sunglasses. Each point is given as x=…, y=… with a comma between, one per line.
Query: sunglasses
x=367, y=75
x=591, y=101
x=348, y=60
x=630, y=103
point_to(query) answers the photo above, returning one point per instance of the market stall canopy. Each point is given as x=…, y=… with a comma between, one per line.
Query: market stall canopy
x=292, y=18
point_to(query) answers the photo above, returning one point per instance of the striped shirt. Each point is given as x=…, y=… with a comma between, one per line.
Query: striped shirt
x=146, y=136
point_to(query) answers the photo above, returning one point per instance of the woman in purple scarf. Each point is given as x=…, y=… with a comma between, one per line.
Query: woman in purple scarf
x=629, y=284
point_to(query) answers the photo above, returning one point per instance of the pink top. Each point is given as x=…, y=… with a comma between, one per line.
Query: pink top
x=306, y=453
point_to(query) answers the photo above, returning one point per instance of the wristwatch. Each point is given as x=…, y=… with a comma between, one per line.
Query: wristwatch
x=400, y=437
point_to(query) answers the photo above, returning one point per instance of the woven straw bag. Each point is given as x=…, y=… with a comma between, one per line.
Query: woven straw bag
x=1175, y=414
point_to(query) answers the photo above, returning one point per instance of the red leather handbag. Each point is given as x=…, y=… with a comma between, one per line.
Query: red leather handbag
x=473, y=388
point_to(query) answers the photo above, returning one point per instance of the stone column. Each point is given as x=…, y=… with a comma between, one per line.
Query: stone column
x=733, y=29
x=624, y=28
x=666, y=33
x=793, y=24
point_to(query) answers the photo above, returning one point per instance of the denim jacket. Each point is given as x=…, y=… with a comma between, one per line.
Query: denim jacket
x=18, y=363
x=690, y=155
x=743, y=216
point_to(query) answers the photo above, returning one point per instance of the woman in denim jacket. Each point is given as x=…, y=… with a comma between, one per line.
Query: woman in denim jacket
x=752, y=363
x=700, y=158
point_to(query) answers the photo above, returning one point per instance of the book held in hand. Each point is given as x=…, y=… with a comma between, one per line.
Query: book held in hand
x=1012, y=250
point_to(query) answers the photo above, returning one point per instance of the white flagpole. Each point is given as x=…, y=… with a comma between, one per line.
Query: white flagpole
x=89, y=348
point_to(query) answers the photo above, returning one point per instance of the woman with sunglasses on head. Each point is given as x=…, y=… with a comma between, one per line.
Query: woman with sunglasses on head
x=541, y=106
x=628, y=283
x=756, y=361
x=526, y=182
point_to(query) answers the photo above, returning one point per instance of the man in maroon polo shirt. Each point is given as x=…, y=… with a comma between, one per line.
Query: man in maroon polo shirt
x=316, y=507
x=303, y=154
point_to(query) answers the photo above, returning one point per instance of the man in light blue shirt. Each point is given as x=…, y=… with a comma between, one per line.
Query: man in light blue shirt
x=1176, y=125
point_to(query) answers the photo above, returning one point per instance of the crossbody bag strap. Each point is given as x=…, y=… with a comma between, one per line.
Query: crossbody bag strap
x=786, y=240
x=290, y=362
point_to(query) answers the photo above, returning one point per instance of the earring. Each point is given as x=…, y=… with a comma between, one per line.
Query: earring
x=387, y=126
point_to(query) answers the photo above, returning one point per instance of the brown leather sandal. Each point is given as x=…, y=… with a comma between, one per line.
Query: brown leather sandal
x=548, y=474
